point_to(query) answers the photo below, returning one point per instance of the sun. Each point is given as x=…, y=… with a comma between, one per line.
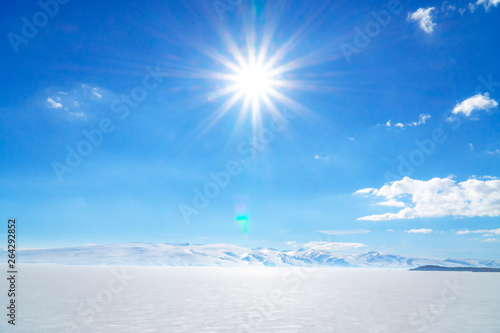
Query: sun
x=254, y=81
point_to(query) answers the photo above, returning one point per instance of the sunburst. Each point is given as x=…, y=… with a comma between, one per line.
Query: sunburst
x=256, y=78
x=253, y=80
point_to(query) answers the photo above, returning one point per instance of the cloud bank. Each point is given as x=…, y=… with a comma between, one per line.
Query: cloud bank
x=488, y=232
x=332, y=246
x=344, y=232
x=438, y=197
x=419, y=231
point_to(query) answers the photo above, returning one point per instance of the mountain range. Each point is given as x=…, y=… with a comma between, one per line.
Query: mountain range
x=185, y=254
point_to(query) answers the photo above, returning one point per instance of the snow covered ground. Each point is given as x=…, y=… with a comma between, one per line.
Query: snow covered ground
x=122, y=299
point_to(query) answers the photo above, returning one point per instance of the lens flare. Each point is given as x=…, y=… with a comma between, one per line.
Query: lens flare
x=244, y=222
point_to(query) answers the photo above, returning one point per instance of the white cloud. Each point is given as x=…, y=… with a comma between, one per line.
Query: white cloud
x=419, y=231
x=491, y=240
x=485, y=177
x=424, y=19
x=486, y=3
x=477, y=102
x=54, y=104
x=75, y=102
x=421, y=120
x=390, y=230
x=368, y=190
x=332, y=246
x=493, y=152
x=322, y=158
x=481, y=231
x=96, y=94
x=439, y=197
x=344, y=232
x=77, y=114
x=392, y=203
x=447, y=8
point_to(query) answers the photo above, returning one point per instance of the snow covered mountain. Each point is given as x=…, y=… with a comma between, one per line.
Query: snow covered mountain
x=226, y=255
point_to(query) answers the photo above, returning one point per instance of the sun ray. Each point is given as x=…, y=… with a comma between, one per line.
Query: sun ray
x=212, y=120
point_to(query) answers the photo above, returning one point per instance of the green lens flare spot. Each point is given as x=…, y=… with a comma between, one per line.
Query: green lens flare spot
x=244, y=222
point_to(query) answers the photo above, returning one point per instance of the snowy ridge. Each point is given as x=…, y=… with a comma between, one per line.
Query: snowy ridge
x=226, y=255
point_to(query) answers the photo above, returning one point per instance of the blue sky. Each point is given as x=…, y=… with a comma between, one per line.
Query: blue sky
x=355, y=111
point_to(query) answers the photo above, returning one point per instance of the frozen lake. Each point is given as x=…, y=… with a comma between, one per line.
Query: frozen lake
x=56, y=298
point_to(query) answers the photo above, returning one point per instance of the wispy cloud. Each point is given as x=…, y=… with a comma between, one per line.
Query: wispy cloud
x=487, y=177
x=487, y=4
x=332, y=246
x=344, y=232
x=54, y=104
x=438, y=197
x=321, y=157
x=475, y=103
x=367, y=190
x=392, y=203
x=480, y=231
x=446, y=8
x=491, y=240
x=493, y=152
x=95, y=93
x=76, y=101
x=419, y=231
x=424, y=18
x=421, y=120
